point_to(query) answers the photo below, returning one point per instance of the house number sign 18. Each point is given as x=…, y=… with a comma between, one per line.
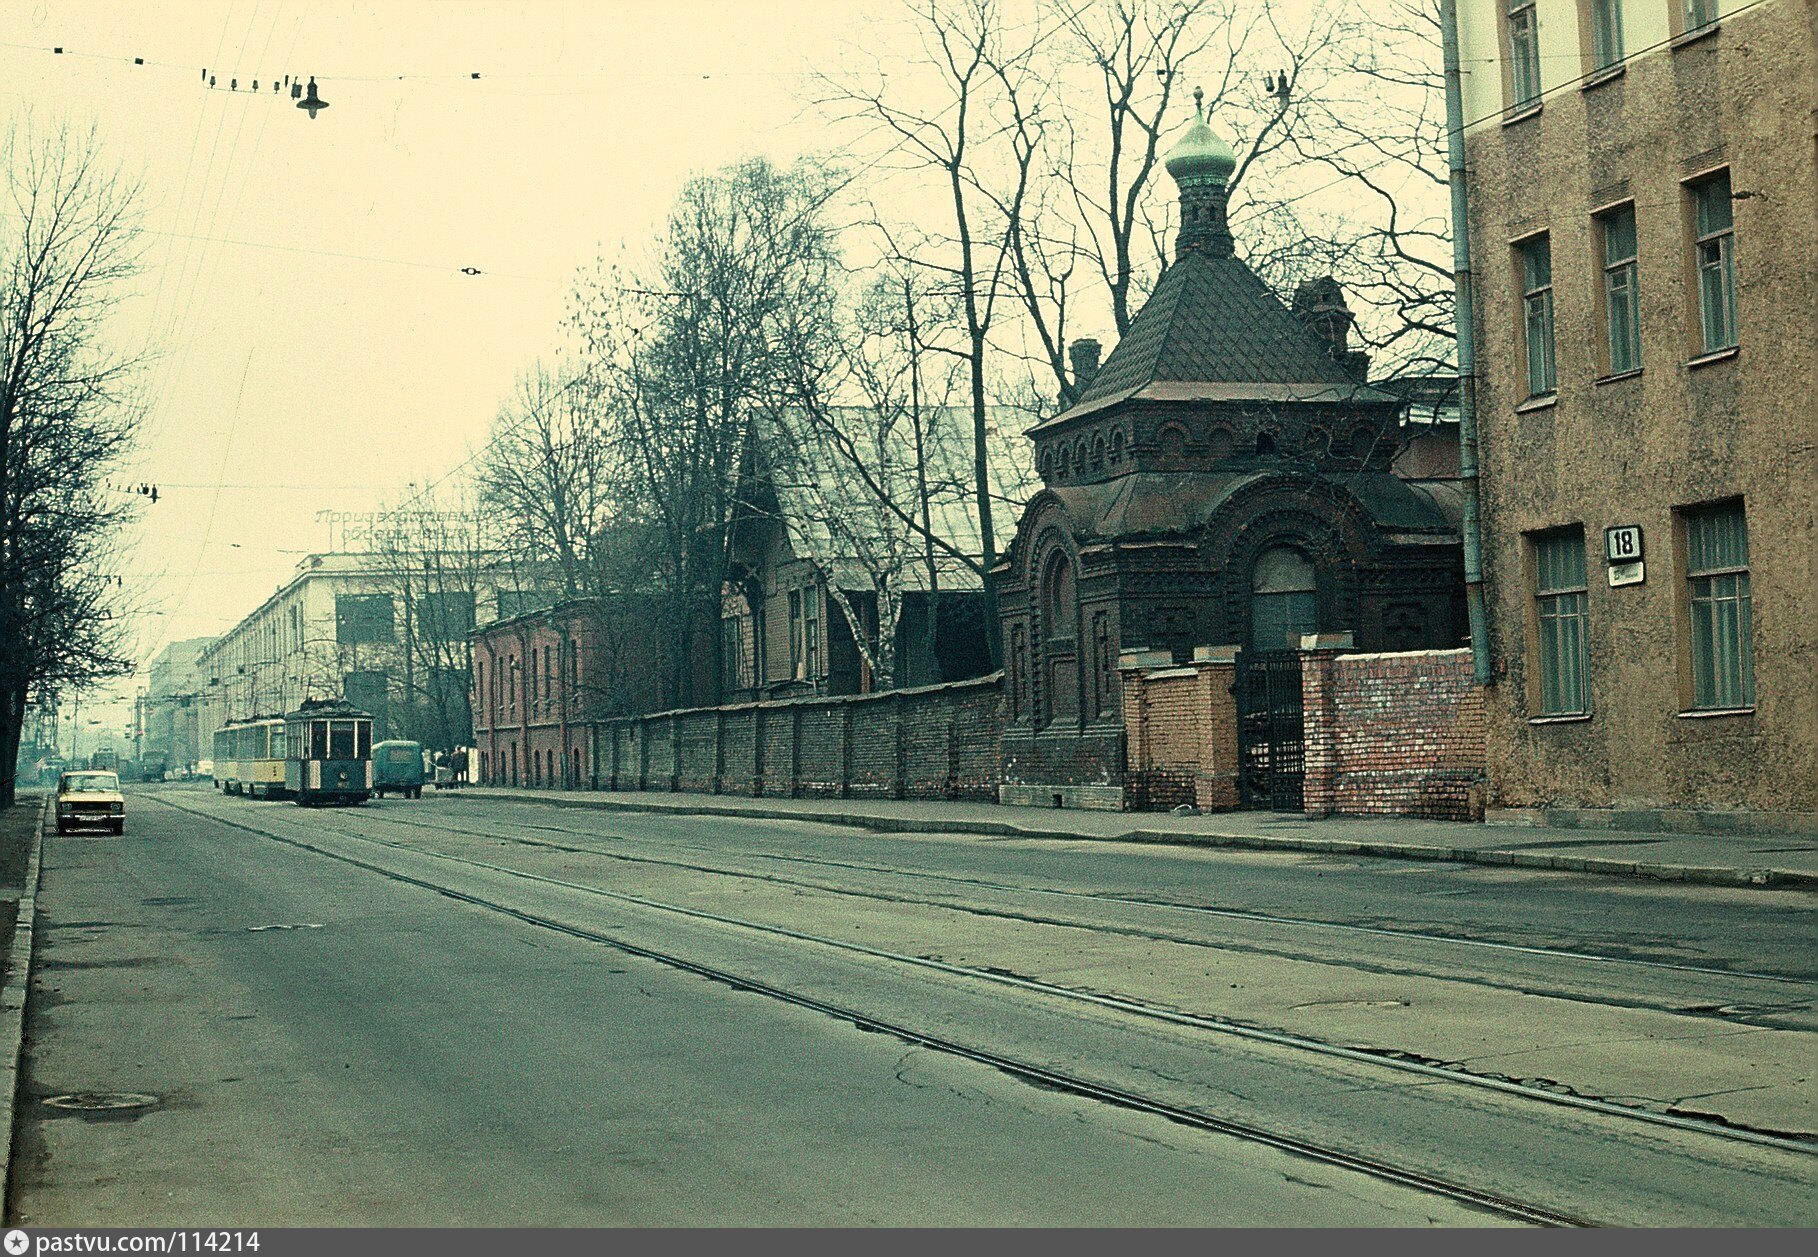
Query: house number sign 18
x=1622, y=549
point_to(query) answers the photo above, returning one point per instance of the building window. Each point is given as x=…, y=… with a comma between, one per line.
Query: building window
x=1536, y=263
x=811, y=632
x=1060, y=661
x=1606, y=33
x=1524, y=54
x=735, y=661
x=1717, y=578
x=363, y=618
x=1559, y=605
x=1714, y=255
x=795, y=634
x=1700, y=14
x=446, y=616
x=1284, y=600
x=1621, y=301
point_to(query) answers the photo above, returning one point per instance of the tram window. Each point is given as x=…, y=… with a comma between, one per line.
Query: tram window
x=340, y=739
x=277, y=741
x=318, y=739
x=362, y=740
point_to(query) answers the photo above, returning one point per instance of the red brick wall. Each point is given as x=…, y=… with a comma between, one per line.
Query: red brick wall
x=1180, y=727
x=1393, y=735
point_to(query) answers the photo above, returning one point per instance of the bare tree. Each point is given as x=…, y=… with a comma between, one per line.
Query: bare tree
x=437, y=558
x=68, y=246
x=1368, y=152
x=977, y=136
x=678, y=361
x=545, y=477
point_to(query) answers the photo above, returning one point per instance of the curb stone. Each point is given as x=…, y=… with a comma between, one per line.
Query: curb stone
x=14, y=994
x=1706, y=875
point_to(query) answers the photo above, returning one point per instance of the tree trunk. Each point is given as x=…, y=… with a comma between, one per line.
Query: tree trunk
x=12, y=724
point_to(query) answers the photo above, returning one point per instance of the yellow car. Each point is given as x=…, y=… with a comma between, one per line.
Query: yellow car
x=90, y=798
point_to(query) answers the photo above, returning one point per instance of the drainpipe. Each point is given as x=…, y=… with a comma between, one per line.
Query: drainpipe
x=1467, y=348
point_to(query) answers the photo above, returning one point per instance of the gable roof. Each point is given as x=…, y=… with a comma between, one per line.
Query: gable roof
x=1213, y=331
x=832, y=515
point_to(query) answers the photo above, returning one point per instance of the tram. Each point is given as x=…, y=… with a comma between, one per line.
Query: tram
x=249, y=757
x=328, y=744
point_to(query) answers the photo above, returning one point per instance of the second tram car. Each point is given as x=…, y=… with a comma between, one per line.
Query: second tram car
x=328, y=745
x=249, y=757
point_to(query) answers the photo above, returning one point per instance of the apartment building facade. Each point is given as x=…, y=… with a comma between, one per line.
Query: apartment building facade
x=1644, y=228
x=394, y=642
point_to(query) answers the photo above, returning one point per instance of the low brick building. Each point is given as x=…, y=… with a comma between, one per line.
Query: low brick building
x=1227, y=477
x=541, y=679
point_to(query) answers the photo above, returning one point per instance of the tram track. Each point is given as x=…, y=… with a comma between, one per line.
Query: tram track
x=1375, y=965
x=1068, y=1082
x=1399, y=1063
x=1234, y=914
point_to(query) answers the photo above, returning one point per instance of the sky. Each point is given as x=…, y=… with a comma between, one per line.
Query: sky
x=333, y=307
x=316, y=343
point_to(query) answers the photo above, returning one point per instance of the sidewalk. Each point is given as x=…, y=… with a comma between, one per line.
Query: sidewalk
x=21, y=843
x=1710, y=859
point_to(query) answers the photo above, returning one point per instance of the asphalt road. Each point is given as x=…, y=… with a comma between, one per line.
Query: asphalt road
x=457, y=1012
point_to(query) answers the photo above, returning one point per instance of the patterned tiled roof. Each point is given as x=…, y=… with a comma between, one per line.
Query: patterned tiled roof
x=1213, y=331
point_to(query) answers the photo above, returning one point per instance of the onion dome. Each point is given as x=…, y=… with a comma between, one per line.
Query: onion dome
x=1200, y=157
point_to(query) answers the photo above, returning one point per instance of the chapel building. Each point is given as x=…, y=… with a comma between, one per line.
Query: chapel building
x=1227, y=478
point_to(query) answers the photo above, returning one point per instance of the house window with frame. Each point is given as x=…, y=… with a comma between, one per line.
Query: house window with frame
x=1699, y=14
x=1524, y=55
x=1714, y=256
x=1621, y=299
x=796, y=670
x=1560, y=615
x=1721, y=614
x=1606, y=33
x=1536, y=270
x=811, y=632
x=735, y=661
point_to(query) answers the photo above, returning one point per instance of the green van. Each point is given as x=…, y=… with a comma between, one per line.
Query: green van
x=397, y=768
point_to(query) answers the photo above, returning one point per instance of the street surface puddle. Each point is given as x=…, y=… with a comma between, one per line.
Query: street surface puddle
x=260, y=929
x=1354, y=1003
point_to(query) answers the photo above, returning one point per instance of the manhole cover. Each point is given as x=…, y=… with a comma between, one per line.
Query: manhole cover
x=101, y=1101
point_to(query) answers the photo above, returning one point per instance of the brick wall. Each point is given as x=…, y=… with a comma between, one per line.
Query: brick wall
x=1180, y=730
x=1393, y=735
x=931, y=742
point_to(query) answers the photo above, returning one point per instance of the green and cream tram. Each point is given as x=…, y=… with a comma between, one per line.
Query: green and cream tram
x=249, y=757
x=329, y=753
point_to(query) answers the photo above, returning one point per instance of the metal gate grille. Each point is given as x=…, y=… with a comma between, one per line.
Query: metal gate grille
x=1271, y=763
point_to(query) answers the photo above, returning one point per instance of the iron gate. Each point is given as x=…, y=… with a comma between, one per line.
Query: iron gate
x=1270, y=758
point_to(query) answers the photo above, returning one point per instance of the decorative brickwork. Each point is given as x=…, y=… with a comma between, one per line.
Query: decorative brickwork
x=931, y=742
x=1393, y=735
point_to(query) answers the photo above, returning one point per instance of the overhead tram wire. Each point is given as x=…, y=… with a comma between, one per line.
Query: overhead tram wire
x=190, y=308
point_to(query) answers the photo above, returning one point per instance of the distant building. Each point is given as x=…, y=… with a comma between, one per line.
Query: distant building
x=392, y=639
x=171, y=715
x=1642, y=212
x=542, y=678
x=814, y=546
